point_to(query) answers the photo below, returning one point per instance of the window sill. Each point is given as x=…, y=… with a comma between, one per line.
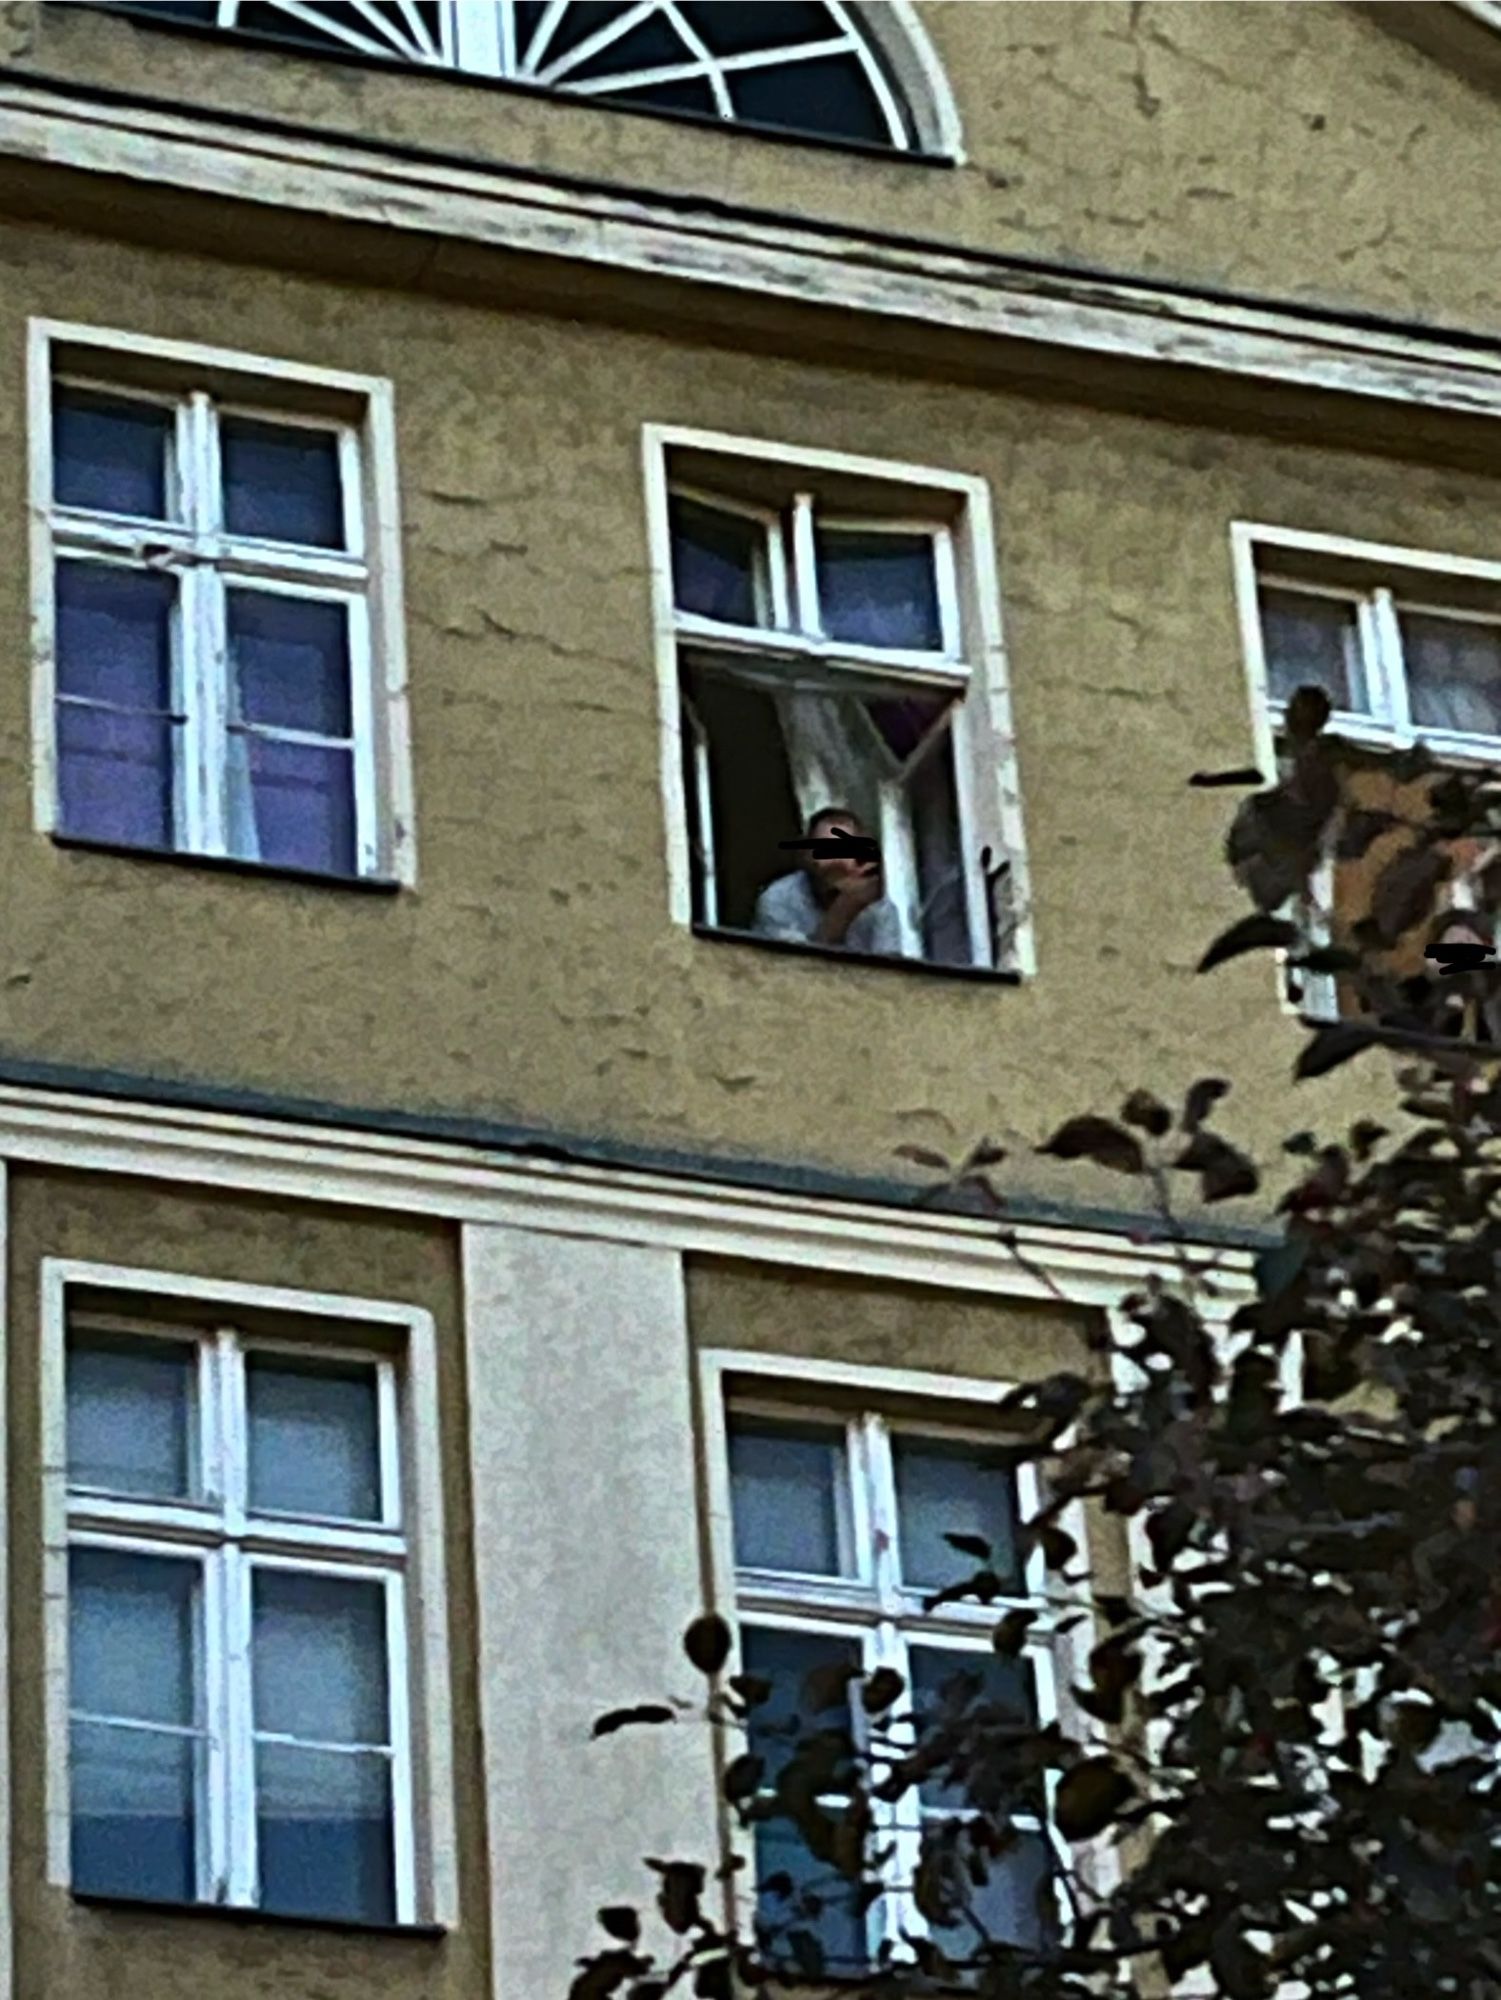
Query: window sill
x=840, y=955
x=227, y=1913
x=228, y=864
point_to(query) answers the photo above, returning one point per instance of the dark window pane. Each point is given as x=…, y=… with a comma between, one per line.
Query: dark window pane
x=786, y=1659
x=292, y=805
x=314, y=1437
x=790, y=1497
x=323, y=1827
x=686, y=94
x=1016, y=1906
x=110, y=455
x=879, y=590
x=942, y=1678
x=946, y=1488
x=319, y=1657
x=132, y=1415
x=580, y=19
x=831, y=95
x=114, y=634
x=716, y=558
x=134, y=1804
x=1453, y=672
x=114, y=777
x=290, y=662
x=1312, y=642
x=651, y=44
x=770, y=24
x=282, y=483
x=838, y=1926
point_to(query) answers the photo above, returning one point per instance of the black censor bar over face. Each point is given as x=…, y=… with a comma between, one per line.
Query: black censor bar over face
x=1460, y=957
x=838, y=846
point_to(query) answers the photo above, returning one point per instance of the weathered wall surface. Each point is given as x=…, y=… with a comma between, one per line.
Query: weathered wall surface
x=96, y=1953
x=1139, y=136
x=534, y=975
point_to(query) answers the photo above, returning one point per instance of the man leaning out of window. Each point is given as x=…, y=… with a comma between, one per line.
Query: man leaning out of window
x=833, y=898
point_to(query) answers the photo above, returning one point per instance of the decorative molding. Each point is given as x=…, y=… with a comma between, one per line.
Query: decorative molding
x=1090, y=1267
x=745, y=254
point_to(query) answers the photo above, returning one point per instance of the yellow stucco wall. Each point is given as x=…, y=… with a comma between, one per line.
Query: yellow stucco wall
x=1303, y=152
x=96, y=1953
x=534, y=976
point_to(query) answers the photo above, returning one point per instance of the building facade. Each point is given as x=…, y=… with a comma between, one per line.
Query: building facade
x=478, y=475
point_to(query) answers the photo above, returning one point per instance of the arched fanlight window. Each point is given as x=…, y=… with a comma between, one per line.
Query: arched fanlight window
x=826, y=68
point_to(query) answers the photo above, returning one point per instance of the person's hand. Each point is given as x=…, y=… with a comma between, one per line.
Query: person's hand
x=862, y=886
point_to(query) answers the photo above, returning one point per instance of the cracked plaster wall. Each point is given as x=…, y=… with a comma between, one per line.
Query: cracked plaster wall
x=534, y=975
x=1301, y=152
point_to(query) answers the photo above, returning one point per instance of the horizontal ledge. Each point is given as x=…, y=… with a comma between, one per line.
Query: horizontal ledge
x=838, y=954
x=230, y=864
x=229, y=1913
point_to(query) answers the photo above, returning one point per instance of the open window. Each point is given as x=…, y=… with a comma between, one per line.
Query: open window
x=1407, y=646
x=825, y=645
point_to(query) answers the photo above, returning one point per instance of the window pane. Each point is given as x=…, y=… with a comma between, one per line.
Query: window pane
x=790, y=1497
x=879, y=590
x=1015, y=1905
x=135, y=1812
x=319, y=1664
x=281, y=483
x=114, y=644
x=114, y=634
x=1313, y=642
x=945, y=1488
x=786, y=1659
x=292, y=805
x=839, y=1927
x=132, y=1635
x=109, y=455
x=943, y=1677
x=132, y=1415
x=323, y=1827
x=290, y=661
x=943, y=906
x=314, y=1438
x=1453, y=673
x=830, y=95
x=716, y=559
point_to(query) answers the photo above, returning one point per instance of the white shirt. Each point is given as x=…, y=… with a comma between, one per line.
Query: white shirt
x=788, y=908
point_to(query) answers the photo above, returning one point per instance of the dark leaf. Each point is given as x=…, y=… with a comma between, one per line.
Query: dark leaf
x=824, y=1688
x=884, y=1687
x=1010, y=1634
x=1329, y=1047
x=618, y=1718
x=1201, y=1100
x=677, y=1899
x=753, y=1689
x=713, y=1980
x=622, y=1922
x=985, y=1155
x=1223, y=1172
x=1307, y=712
x=742, y=1777
x=707, y=1642
x=970, y=1545
x=1244, y=774
x=1097, y=1139
x=1147, y=1112
x=1359, y=830
x=1169, y=1530
x=808, y=1952
x=1258, y=933
x=1406, y=889
x=923, y=1156
x=1089, y=1797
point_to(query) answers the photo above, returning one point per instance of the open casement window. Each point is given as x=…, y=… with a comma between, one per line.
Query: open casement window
x=825, y=657
x=214, y=624
x=1408, y=650
x=838, y=1518
x=237, y=1665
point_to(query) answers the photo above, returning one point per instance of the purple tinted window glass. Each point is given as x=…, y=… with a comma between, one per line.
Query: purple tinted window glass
x=115, y=776
x=302, y=799
x=290, y=660
x=282, y=483
x=114, y=634
x=110, y=455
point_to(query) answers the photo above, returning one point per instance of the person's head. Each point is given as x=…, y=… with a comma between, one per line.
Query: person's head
x=830, y=871
x=1463, y=927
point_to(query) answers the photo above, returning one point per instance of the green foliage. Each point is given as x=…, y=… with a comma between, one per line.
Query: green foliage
x=1292, y=1726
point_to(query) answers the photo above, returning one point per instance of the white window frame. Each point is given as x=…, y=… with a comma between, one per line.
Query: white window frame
x=403, y=1552
x=876, y=1607
x=1388, y=724
x=955, y=509
x=365, y=576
